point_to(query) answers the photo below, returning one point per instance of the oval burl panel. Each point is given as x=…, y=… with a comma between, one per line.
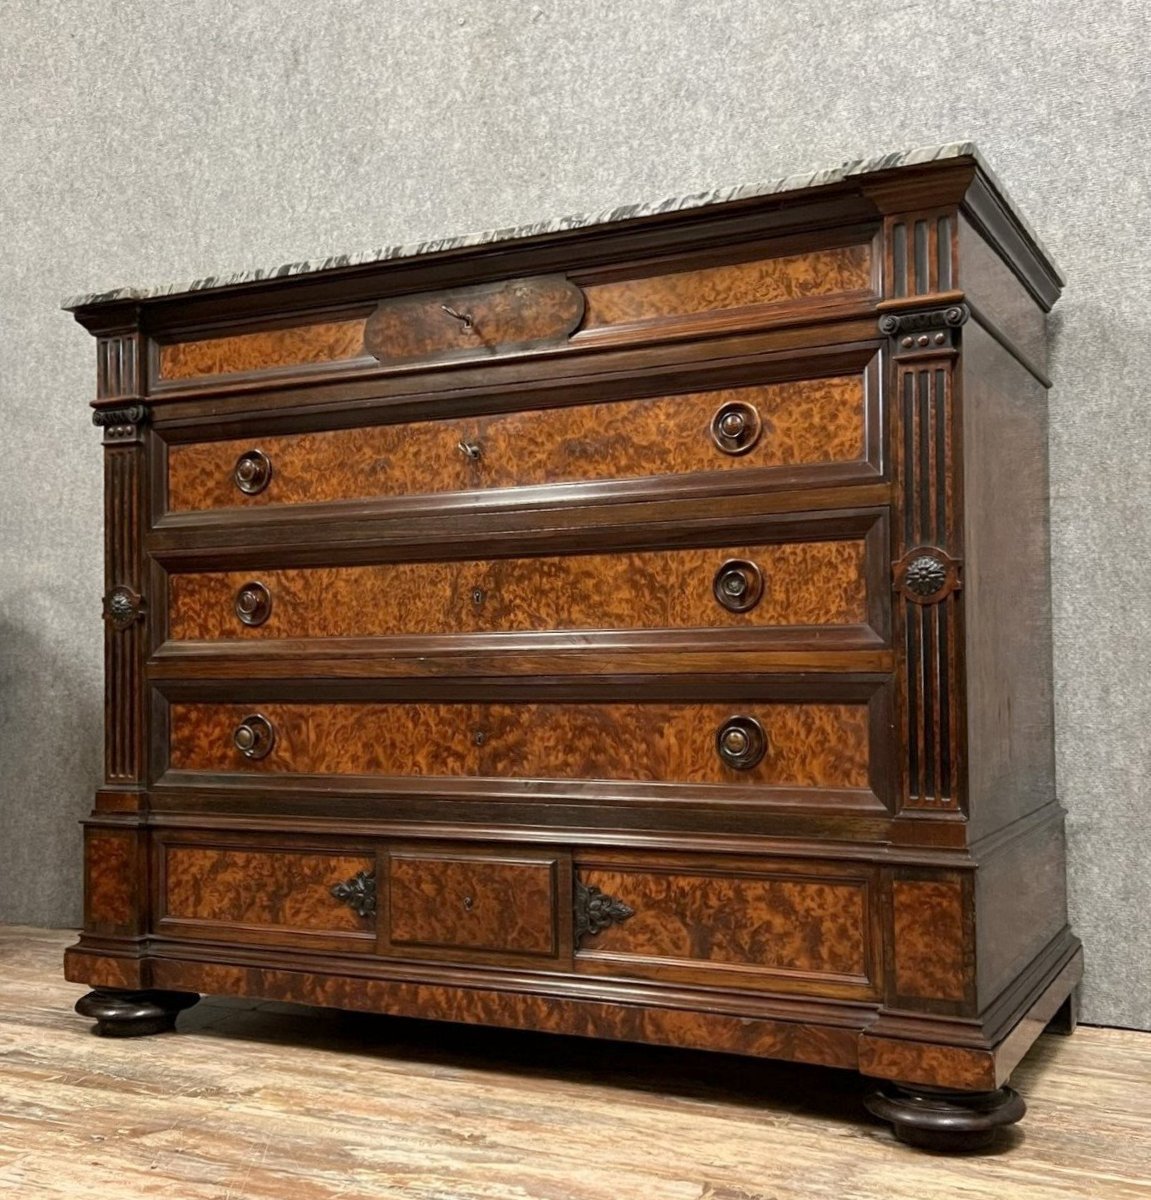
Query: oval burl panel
x=732, y=922
x=803, y=423
x=470, y=902
x=515, y=314
x=282, y=889
x=809, y=745
x=804, y=584
x=761, y=282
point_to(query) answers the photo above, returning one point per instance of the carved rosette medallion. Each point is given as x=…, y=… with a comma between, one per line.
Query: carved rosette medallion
x=927, y=575
x=123, y=607
x=595, y=910
x=358, y=893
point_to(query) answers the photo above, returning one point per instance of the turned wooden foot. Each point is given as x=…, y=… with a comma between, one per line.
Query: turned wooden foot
x=954, y=1122
x=133, y=1014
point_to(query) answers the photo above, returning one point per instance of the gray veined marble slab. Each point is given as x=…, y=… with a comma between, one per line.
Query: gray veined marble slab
x=852, y=169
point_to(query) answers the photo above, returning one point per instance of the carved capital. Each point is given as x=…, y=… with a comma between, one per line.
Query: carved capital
x=123, y=607
x=595, y=911
x=121, y=424
x=358, y=893
x=921, y=329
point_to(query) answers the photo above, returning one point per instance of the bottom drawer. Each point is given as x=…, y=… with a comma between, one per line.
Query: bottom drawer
x=764, y=924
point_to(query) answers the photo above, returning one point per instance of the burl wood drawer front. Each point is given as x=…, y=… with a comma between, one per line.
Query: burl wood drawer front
x=736, y=587
x=789, y=928
x=669, y=296
x=728, y=293
x=476, y=903
x=774, y=428
x=274, y=895
x=787, y=745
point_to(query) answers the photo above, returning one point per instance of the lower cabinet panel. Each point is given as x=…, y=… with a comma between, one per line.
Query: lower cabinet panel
x=276, y=896
x=776, y=927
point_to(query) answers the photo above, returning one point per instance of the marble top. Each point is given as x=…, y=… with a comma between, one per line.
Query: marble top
x=853, y=169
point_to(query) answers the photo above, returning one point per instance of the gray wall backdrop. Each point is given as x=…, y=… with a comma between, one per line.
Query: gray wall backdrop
x=143, y=141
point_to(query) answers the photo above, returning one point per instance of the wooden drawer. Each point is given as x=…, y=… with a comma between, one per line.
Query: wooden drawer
x=476, y=902
x=799, y=747
x=720, y=921
x=699, y=293
x=794, y=433
x=744, y=923
x=784, y=587
x=682, y=295
x=211, y=887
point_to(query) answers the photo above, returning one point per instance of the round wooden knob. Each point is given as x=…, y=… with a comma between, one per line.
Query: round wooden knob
x=254, y=737
x=252, y=472
x=741, y=743
x=253, y=603
x=738, y=585
x=736, y=427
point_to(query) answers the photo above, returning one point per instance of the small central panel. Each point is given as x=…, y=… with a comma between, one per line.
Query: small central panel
x=473, y=902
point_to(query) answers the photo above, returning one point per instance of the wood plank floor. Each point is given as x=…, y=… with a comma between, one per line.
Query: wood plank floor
x=276, y=1102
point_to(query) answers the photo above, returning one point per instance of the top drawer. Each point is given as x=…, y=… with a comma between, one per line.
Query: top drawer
x=794, y=433
x=702, y=293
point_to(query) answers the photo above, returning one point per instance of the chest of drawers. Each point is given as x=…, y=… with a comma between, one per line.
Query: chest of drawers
x=635, y=628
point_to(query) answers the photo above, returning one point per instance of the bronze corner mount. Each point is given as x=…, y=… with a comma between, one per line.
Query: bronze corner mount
x=358, y=893
x=595, y=911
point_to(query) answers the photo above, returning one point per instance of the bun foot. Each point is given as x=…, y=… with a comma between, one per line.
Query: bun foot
x=133, y=1014
x=952, y=1122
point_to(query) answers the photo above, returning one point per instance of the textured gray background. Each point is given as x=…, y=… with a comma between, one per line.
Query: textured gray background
x=149, y=140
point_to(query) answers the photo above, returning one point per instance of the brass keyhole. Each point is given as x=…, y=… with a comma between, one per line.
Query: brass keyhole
x=469, y=903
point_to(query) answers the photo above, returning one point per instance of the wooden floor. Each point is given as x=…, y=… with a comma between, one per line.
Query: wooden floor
x=278, y=1102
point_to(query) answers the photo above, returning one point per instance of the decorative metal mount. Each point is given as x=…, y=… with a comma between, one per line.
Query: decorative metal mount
x=595, y=911
x=121, y=424
x=924, y=328
x=359, y=893
x=123, y=607
x=927, y=575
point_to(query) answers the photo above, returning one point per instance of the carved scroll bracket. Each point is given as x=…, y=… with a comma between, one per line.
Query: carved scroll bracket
x=927, y=575
x=595, y=911
x=359, y=893
x=123, y=607
x=121, y=424
x=920, y=330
